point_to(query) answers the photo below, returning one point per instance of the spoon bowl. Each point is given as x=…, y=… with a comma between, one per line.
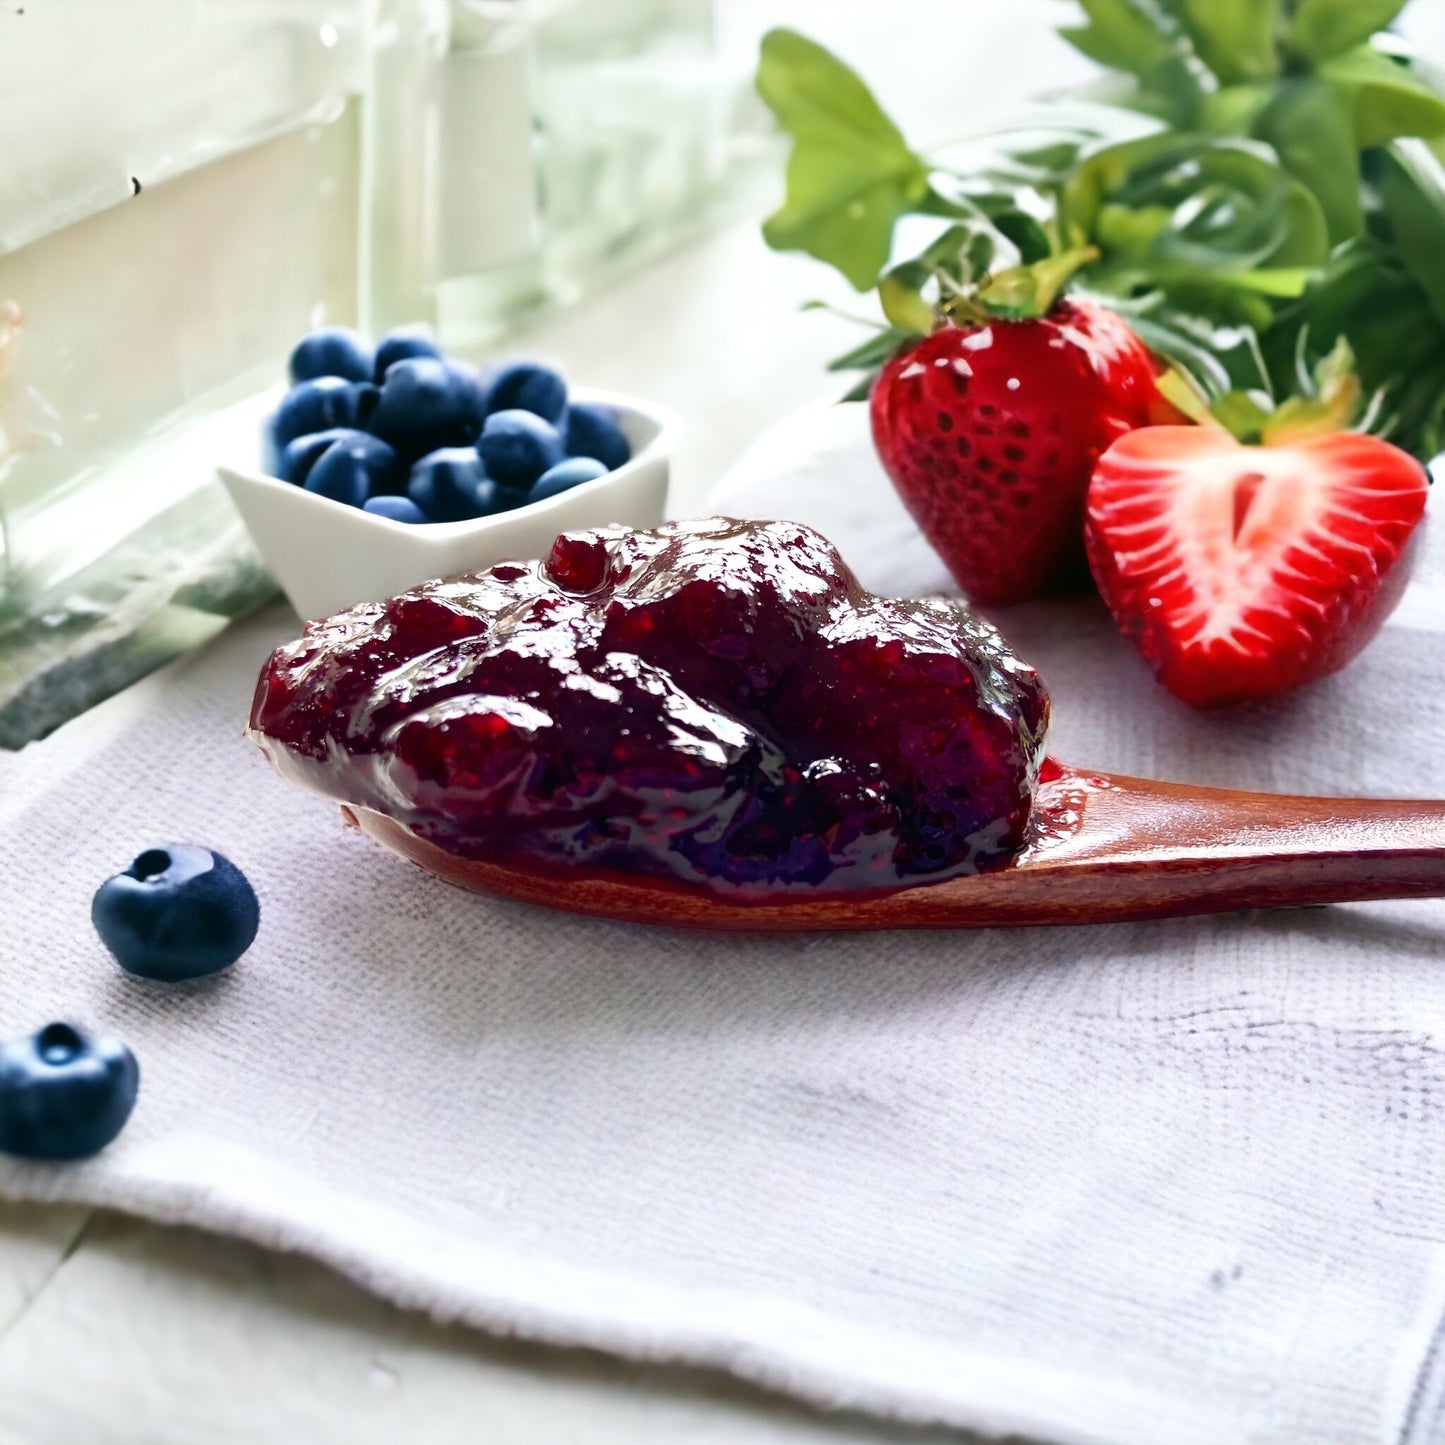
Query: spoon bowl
x=1104, y=849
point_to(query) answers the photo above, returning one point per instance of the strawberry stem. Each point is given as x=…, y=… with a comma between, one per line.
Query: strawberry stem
x=1024, y=293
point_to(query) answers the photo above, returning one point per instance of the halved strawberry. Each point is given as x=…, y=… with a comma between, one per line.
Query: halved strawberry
x=1242, y=571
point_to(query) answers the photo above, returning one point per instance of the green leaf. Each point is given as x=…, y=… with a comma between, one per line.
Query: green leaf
x=873, y=352
x=1243, y=413
x=1235, y=38
x=1282, y=281
x=1052, y=159
x=1233, y=109
x=1410, y=182
x=1306, y=241
x=1203, y=207
x=850, y=175
x=1386, y=101
x=1309, y=124
x=1028, y=236
x=1129, y=232
x=1218, y=358
x=1133, y=35
x=904, y=305
x=1366, y=296
x=1321, y=29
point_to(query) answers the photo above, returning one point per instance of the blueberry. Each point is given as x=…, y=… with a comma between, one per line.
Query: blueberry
x=516, y=447
x=354, y=467
x=474, y=390
x=450, y=485
x=564, y=476
x=300, y=455
x=315, y=406
x=397, y=509
x=177, y=912
x=332, y=351
x=401, y=345
x=592, y=431
x=529, y=386
x=425, y=404
x=63, y=1095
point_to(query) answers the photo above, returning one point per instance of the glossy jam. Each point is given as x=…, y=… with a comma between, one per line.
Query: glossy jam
x=717, y=702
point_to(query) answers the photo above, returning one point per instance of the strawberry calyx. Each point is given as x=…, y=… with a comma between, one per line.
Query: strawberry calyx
x=1025, y=292
x=1329, y=401
x=1021, y=293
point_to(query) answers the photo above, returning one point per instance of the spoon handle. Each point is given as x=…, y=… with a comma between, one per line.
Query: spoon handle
x=1131, y=848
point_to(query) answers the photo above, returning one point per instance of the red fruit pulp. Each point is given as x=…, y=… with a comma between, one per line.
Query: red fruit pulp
x=1243, y=571
x=714, y=701
x=990, y=433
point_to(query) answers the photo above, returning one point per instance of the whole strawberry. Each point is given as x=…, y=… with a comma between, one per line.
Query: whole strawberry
x=990, y=432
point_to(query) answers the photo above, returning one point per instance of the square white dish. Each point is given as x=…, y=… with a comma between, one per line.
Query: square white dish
x=328, y=556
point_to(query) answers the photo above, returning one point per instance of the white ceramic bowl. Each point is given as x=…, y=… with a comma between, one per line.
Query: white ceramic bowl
x=327, y=556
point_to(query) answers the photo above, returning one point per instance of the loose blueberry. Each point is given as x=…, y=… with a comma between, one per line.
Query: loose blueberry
x=396, y=509
x=177, y=912
x=403, y=344
x=63, y=1095
x=313, y=406
x=425, y=404
x=516, y=447
x=353, y=468
x=564, y=476
x=529, y=386
x=451, y=485
x=299, y=456
x=592, y=431
x=332, y=351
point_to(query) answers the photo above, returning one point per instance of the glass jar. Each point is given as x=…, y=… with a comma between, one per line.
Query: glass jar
x=224, y=177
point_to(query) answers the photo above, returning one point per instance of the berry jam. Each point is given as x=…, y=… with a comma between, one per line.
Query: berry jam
x=715, y=702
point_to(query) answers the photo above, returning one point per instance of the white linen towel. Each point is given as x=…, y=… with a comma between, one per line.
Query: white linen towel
x=1176, y=1183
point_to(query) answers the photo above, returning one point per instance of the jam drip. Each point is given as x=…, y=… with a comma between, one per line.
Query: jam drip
x=713, y=701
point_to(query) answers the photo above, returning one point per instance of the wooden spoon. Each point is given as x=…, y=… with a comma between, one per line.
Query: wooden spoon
x=1104, y=849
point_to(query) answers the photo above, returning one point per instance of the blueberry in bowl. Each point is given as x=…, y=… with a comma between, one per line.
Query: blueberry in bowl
x=517, y=446
x=396, y=509
x=332, y=351
x=451, y=485
x=426, y=403
x=530, y=386
x=319, y=405
x=178, y=912
x=714, y=703
x=64, y=1095
x=564, y=476
x=353, y=468
x=299, y=455
x=402, y=344
x=368, y=487
x=590, y=430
